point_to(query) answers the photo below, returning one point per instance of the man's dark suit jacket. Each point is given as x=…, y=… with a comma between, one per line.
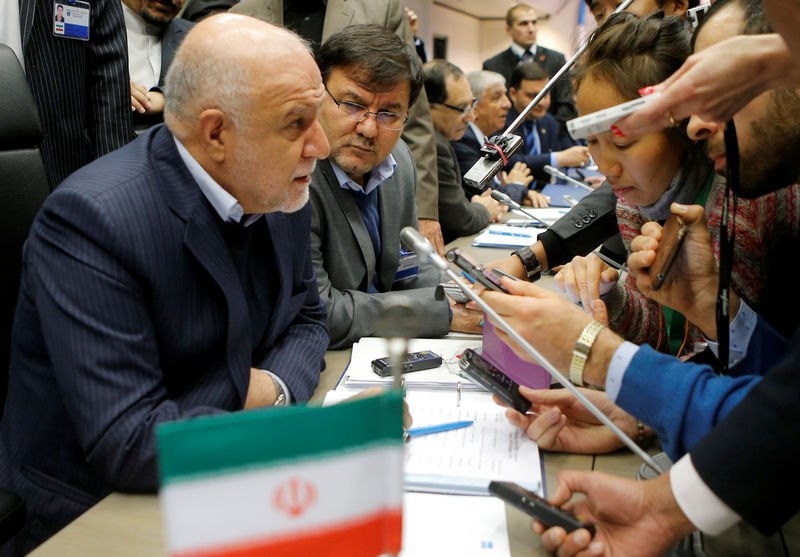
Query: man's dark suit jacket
x=131, y=313
x=748, y=459
x=562, y=103
x=457, y=215
x=551, y=138
x=468, y=151
x=81, y=88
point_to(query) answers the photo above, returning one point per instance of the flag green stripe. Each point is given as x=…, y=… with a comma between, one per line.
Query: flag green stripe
x=243, y=440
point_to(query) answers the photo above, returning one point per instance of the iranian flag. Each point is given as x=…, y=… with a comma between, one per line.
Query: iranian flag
x=293, y=481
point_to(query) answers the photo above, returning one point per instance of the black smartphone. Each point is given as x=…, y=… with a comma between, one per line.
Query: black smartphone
x=477, y=368
x=533, y=505
x=416, y=361
x=475, y=270
x=672, y=235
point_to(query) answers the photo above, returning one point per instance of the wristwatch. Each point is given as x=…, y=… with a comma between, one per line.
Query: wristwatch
x=581, y=351
x=280, y=400
x=531, y=263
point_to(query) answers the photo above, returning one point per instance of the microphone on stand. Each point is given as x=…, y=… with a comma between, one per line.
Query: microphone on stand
x=552, y=171
x=415, y=241
x=504, y=199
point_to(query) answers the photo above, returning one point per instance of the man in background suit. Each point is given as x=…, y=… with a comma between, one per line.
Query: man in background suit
x=169, y=279
x=316, y=20
x=491, y=107
x=80, y=87
x=154, y=34
x=545, y=142
x=521, y=27
x=363, y=195
x=452, y=106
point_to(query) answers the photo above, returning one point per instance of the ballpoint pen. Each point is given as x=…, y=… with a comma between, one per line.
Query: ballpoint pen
x=417, y=431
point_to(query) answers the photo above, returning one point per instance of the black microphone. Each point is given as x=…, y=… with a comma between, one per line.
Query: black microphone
x=504, y=199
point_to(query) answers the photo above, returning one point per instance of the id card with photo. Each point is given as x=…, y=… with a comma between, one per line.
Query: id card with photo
x=71, y=19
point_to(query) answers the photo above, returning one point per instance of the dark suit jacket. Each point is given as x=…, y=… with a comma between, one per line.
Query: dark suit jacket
x=345, y=260
x=747, y=459
x=457, y=215
x=468, y=151
x=418, y=131
x=81, y=88
x=552, y=140
x=562, y=104
x=131, y=313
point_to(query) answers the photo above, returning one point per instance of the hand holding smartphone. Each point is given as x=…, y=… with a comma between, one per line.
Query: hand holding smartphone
x=533, y=505
x=475, y=270
x=672, y=236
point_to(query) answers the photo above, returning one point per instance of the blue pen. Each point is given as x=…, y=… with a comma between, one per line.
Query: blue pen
x=515, y=234
x=438, y=428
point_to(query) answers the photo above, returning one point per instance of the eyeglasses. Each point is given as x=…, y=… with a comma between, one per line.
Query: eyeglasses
x=357, y=113
x=463, y=110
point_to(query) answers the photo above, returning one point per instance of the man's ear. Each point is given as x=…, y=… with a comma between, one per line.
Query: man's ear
x=212, y=124
x=676, y=7
x=508, y=30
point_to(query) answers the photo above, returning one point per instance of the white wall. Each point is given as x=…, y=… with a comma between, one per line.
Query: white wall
x=463, y=37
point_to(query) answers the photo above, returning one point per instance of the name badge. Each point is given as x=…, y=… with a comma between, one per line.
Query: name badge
x=71, y=19
x=408, y=266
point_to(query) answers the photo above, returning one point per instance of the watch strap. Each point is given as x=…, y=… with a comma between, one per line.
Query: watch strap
x=533, y=269
x=581, y=351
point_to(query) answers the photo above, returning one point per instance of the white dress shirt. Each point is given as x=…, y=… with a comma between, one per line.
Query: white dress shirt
x=9, y=28
x=144, y=49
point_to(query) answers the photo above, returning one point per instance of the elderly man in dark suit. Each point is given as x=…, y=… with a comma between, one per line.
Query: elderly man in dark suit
x=80, y=87
x=169, y=279
x=363, y=195
x=154, y=35
x=521, y=27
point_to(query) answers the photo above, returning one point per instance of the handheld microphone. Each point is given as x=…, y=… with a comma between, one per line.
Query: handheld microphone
x=553, y=171
x=412, y=238
x=504, y=199
x=490, y=164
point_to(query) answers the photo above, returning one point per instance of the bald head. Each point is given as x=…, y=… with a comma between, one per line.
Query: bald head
x=222, y=63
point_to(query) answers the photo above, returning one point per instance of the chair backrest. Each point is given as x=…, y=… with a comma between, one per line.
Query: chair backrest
x=23, y=189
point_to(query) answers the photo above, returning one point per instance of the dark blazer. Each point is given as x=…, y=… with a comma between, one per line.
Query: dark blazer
x=468, y=151
x=747, y=459
x=562, y=103
x=131, y=313
x=81, y=88
x=345, y=260
x=552, y=140
x=457, y=215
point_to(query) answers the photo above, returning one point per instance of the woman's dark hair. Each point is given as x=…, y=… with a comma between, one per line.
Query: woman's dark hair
x=378, y=58
x=632, y=52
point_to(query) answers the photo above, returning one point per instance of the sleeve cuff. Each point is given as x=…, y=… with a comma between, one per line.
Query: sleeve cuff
x=282, y=384
x=616, y=369
x=553, y=159
x=741, y=331
x=700, y=505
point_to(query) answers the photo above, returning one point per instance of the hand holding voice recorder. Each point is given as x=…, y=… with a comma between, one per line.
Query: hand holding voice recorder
x=477, y=368
x=672, y=235
x=533, y=505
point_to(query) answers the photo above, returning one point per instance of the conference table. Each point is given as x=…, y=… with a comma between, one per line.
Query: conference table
x=130, y=524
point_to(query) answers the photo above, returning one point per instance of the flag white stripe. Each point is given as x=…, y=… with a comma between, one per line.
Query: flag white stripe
x=242, y=506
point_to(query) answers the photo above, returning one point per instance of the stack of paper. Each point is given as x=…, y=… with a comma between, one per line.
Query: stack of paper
x=359, y=374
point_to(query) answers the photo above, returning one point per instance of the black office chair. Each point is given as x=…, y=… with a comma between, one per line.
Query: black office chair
x=23, y=189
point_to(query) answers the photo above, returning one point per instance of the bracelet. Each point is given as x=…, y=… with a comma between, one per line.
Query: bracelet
x=581, y=351
x=533, y=268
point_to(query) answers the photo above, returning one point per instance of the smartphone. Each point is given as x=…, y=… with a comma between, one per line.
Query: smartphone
x=672, y=235
x=475, y=270
x=533, y=505
x=477, y=368
x=416, y=361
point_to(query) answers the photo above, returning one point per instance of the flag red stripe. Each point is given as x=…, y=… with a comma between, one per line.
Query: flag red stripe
x=377, y=533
